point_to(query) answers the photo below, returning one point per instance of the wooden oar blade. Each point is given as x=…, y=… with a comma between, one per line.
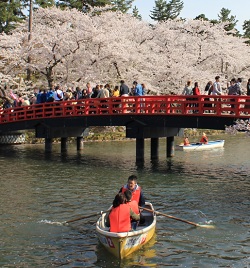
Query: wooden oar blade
x=206, y=226
x=178, y=219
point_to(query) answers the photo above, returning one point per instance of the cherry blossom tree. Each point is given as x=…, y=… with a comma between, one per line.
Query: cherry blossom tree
x=239, y=126
x=197, y=50
x=68, y=46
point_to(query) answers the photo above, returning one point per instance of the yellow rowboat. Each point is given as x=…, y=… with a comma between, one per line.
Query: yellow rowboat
x=123, y=244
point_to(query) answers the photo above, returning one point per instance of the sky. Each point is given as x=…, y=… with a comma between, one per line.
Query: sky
x=211, y=8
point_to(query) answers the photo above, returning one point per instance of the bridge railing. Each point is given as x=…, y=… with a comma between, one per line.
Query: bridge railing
x=204, y=105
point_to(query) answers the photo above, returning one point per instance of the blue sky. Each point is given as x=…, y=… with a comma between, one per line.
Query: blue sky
x=211, y=8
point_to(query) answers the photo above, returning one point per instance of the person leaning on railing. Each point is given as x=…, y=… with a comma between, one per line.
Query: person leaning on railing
x=188, y=90
x=196, y=92
x=216, y=89
x=247, y=106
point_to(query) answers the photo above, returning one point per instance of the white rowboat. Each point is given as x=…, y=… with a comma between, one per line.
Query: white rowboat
x=201, y=146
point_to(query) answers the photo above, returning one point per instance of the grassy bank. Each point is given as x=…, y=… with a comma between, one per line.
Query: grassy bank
x=116, y=134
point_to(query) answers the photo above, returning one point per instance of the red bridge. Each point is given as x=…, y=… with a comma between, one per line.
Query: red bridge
x=144, y=117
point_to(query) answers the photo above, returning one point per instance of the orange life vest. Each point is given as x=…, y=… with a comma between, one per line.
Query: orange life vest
x=135, y=193
x=186, y=142
x=134, y=206
x=204, y=139
x=119, y=218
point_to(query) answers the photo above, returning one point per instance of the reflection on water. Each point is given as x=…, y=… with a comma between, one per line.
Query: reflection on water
x=143, y=258
x=40, y=191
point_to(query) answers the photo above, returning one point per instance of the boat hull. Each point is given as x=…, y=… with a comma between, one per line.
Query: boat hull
x=201, y=146
x=123, y=244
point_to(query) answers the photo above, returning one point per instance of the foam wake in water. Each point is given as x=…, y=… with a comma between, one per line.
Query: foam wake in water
x=52, y=222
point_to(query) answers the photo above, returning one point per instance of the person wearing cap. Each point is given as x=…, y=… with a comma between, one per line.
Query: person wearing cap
x=204, y=138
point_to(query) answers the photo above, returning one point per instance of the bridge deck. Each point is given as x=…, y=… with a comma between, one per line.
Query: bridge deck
x=113, y=111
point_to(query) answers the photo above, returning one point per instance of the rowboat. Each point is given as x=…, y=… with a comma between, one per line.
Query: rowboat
x=201, y=146
x=123, y=244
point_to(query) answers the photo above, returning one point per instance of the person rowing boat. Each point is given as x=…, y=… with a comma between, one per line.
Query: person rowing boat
x=135, y=189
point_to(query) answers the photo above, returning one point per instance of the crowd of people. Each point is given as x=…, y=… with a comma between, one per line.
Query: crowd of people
x=125, y=215
x=58, y=93
x=233, y=88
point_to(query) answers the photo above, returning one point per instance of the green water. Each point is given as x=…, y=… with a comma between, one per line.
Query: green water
x=39, y=191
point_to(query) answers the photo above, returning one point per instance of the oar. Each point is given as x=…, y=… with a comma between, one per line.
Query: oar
x=86, y=217
x=178, y=219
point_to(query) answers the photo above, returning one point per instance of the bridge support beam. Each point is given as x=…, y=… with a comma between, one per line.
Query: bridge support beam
x=170, y=146
x=154, y=148
x=48, y=145
x=79, y=143
x=64, y=144
x=139, y=149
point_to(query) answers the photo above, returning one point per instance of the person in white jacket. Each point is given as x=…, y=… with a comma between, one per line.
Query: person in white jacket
x=217, y=87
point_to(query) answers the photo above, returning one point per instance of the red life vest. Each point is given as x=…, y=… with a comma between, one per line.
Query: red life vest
x=186, y=142
x=135, y=193
x=134, y=206
x=119, y=218
x=204, y=139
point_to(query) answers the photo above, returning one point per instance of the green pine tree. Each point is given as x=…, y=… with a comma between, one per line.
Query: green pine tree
x=82, y=5
x=159, y=12
x=136, y=14
x=174, y=8
x=15, y=11
x=224, y=16
x=10, y=14
x=201, y=17
x=166, y=11
x=122, y=5
x=44, y=3
x=246, y=29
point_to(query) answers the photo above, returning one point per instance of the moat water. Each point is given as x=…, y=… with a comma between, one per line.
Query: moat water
x=39, y=191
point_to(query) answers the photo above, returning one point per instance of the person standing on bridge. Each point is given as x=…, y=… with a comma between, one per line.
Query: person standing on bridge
x=103, y=92
x=217, y=87
x=217, y=90
x=58, y=94
x=232, y=90
x=124, y=89
x=138, y=89
x=188, y=90
x=89, y=90
x=196, y=92
x=247, y=106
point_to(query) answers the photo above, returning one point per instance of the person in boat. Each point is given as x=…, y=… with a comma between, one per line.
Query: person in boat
x=136, y=190
x=134, y=206
x=204, y=138
x=186, y=142
x=120, y=215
